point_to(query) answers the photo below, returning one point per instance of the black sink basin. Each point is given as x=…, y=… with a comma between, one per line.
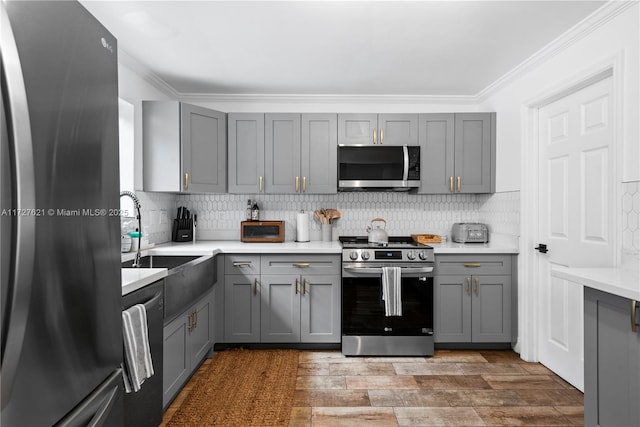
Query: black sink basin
x=169, y=262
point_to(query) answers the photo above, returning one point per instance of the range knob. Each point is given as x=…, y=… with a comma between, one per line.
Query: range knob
x=353, y=255
x=411, y=255
x=365, y=255
x=423, y=255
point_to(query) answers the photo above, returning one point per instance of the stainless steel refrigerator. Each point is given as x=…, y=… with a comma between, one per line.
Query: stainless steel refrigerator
x=61, y=292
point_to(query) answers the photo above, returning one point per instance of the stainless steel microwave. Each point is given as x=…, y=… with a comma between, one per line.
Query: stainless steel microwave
x=378, y=168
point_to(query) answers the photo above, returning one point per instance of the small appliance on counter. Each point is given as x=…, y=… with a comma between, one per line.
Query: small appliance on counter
x=182, y=230
x=262, y=231
x=470, y=232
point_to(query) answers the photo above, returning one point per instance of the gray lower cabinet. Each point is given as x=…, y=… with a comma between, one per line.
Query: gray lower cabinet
x=378, y=129
x=282, y=153
x=457, y=152
x=611, y=360
x=472, y=299
x=187, y=340
x=282, y=299
x=184, y=148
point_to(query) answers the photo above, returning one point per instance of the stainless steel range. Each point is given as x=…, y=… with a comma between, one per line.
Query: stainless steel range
x=367, y=328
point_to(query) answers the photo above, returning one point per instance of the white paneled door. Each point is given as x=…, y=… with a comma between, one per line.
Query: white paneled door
x=575, y=212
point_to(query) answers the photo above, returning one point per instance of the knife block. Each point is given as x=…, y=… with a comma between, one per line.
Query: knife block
x=182, y=230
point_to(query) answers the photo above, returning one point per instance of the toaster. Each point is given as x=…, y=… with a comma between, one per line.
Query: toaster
x=469, y=232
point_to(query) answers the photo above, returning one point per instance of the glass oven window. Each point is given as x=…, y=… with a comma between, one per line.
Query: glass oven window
x=363, y=309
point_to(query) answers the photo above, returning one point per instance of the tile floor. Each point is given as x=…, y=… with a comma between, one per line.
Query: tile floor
x=453, y=388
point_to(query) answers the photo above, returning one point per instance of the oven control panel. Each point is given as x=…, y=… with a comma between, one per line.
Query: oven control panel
x=382, y=254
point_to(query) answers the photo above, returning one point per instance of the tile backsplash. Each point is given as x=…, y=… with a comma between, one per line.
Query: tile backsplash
x=631, y=224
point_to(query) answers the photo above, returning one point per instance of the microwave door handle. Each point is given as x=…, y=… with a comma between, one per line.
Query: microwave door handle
x=405, y=173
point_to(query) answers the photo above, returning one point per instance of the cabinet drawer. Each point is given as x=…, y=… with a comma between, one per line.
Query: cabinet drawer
x=301, y=264
x=242, y=264
x=473, y=264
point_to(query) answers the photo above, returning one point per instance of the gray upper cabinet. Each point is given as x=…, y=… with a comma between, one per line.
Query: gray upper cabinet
x=184, y=148
x=457, y=152
x=282, y=153
x=246, y=153
x=379, y=129
x=611, y=360
x=319, y=155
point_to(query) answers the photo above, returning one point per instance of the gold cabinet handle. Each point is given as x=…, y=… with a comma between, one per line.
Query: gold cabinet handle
x=472, y=264
x=469, y=286
x=304, y=286
x=451, y=184
x=375, y=136
x=190, y=327
x=260, y=180
x=242, y=264
x=255, y=286
x=477, y=286
x=381, y=135
x=297, y=286
x=195, y=314
x=634, y=325
x=304, y=184
x=459, y=184
x=297, y=184
x=186, y=180
x=302, y=264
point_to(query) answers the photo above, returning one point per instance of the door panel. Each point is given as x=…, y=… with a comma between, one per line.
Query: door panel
x=320, y=309
x=282, y=153
x=576, y=224
x=246, y=152
x=318, y=161
x=452, y=309
x=242, y=308
x=280, y=308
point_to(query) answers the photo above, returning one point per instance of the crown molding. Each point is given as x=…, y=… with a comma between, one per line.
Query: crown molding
x=326, y=99
x=146, y=74
x=597, y=19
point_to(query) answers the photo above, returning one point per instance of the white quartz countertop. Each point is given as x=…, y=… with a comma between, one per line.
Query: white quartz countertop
x=616, y=281
x=136, y=278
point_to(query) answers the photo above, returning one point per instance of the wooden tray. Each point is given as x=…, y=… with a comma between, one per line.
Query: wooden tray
x=426, y=238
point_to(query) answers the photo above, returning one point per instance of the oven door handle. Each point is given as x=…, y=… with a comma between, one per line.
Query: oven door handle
x=378, y=270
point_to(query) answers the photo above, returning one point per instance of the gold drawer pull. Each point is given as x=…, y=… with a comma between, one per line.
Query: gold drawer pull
x=242, y=263
x=451, y=184
x=302, y=264
x=469, y=286
x=472, y=264
x=296, y=286
x=477, y=286
x=459, y=184
x=304, y=286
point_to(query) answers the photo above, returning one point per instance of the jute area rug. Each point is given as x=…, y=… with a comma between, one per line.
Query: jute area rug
x=242, y=388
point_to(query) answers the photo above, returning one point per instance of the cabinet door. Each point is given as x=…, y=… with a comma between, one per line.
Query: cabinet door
x=452, y=309
x=436, y=134
x=242, y=308
x=491, y=309
x=246, y=153
x=282, y=153
x=319, y=156
x=357, y=129
x=176, y=361
x=280, y=310
x=204, y=150
x=201, y=334
x=473, y=153
x=320, y=309
x=398, y=129
x=611, y=361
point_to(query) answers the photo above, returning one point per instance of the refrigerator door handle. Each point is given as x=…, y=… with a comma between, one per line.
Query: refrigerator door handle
x=23, y=188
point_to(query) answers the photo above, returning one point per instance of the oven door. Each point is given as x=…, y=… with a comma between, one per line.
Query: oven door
x=363, y=310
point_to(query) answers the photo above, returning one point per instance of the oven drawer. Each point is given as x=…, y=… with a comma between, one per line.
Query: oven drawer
x=242, y=264
x=301, y=264
x=474, y=264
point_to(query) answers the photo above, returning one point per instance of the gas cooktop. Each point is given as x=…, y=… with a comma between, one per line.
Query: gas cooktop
x=395, y=242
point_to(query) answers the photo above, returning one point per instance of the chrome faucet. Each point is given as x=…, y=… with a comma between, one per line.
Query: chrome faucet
x=136, y=203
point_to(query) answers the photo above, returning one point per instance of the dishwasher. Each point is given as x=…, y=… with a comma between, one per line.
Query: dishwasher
x=144, y=408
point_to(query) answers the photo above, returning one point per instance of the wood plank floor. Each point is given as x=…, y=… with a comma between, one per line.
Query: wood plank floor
x=453, y=388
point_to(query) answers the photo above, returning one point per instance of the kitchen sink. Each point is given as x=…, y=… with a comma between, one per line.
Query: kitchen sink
x=169, y=262
x=188, y=277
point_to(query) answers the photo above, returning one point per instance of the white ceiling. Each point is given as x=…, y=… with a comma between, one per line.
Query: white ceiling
x=335, y=47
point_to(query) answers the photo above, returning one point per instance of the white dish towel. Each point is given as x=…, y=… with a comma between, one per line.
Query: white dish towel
x=138, y=365
x=392, y=290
